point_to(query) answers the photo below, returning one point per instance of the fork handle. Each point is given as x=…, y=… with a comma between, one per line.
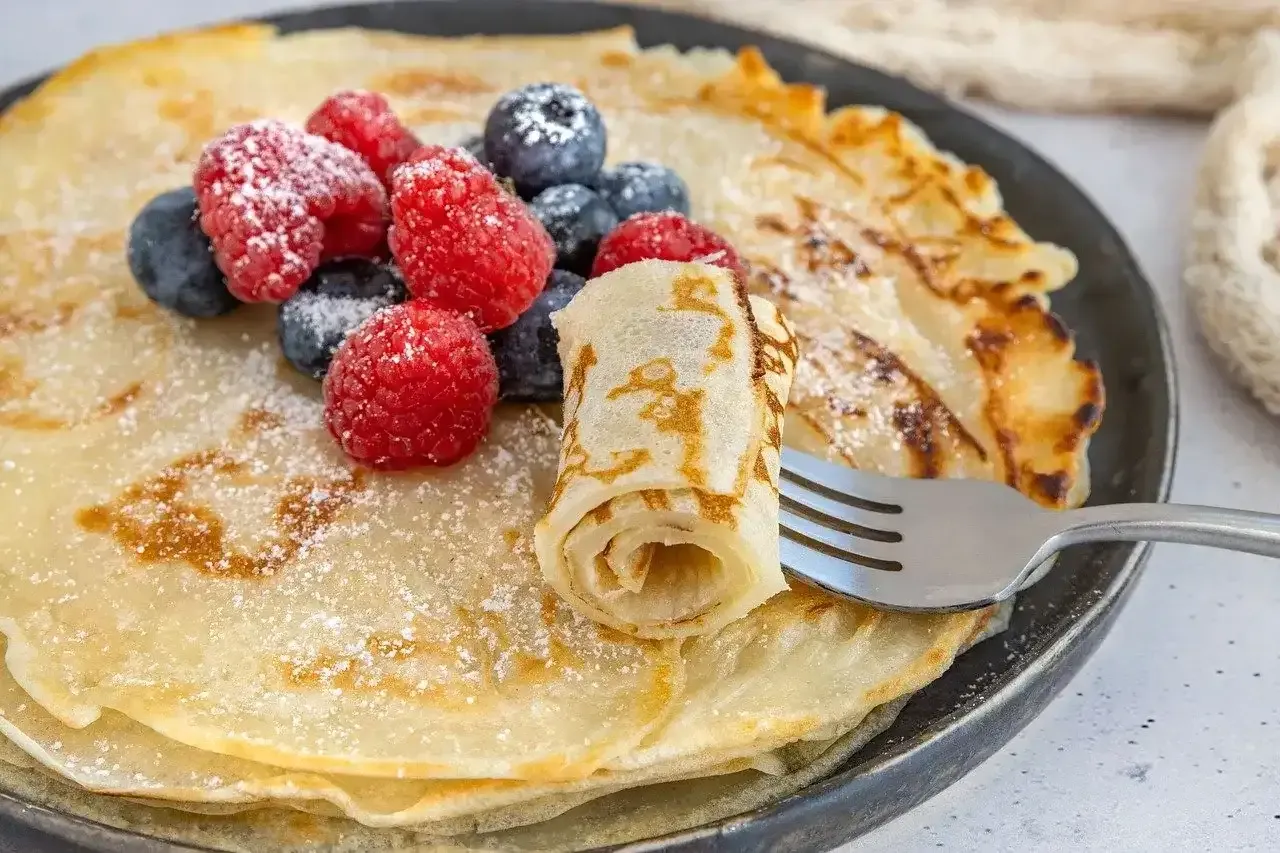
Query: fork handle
x=1232, y=529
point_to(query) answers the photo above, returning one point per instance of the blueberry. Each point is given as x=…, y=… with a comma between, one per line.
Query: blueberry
x=474, y=145
x=543, y=135
x=172, y=259
x=632, y=188
x=576, y=218
x=339, y=296
x=528, y=364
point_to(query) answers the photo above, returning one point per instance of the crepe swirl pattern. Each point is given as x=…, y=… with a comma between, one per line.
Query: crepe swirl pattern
x=664, y=517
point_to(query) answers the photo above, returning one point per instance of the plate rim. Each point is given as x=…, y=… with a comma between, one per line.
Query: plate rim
x=777, y=825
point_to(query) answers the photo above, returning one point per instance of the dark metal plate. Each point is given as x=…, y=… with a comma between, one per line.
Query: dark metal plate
x=997, y=688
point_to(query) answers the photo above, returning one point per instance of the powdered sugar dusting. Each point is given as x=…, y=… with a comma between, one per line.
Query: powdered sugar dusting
x=274, y=198
x=332, y=318
x=547, y=113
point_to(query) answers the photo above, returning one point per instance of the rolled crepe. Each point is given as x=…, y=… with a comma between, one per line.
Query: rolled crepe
x=664, y=517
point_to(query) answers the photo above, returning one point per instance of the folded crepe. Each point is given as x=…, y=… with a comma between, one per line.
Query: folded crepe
x=664, y=517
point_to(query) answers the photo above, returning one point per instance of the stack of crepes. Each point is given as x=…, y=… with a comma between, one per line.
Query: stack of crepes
x=664, y=518
x=205, y=607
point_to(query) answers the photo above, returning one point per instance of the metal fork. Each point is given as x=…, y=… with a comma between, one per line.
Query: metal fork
x=940, y=545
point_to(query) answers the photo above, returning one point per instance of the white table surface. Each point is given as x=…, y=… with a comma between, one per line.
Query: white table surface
x=1169, y=739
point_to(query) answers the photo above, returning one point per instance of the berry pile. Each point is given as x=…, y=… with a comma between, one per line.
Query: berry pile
x=392, y=260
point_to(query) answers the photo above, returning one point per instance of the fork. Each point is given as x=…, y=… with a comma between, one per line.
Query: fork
x=944, y=545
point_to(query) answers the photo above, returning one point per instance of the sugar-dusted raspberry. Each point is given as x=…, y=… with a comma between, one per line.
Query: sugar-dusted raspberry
x=463, y=242
x=666, y=236
x=276, y=201
x=364, y=123
x=415, y=384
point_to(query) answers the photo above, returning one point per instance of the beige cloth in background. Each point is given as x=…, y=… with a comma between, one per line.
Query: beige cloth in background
x=1233, y=257
x=1184, y=56
x=1044, y=55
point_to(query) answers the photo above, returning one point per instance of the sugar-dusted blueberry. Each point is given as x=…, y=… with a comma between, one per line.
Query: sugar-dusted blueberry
x=577, y=219
x=172, y=259
x=339, y=296
x=529, y=368
x=474, y=145
x=635, y=187
x=545, y=134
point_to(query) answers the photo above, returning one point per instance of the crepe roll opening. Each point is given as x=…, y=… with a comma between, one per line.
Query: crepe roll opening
x=658, y=569
x=682, y=581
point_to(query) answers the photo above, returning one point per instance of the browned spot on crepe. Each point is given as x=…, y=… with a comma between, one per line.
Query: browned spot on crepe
x=15, y=386
x=717, y=509
x=136, y=310
x=428, y=81
x=776, y=356
x=14, y=321
x=616, y=59
x=694, y=292
x=601, y=513
x=193, y=111
x=760, y=471
x=155, y=522
x=767, y=278
x=670, y=410
x=655, y=499
x=786, y=162
x=821, y=247
x=915, y=423
x=119, y=401
x=258, y=420
x=477, y=635
x=1051, y=488
x=575, y=461
x=919, y=421
x=30, y=421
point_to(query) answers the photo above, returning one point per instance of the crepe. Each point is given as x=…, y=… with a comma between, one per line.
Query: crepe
x=116, y=755
x=616, y=818
x=664, y=517
x=188, y=563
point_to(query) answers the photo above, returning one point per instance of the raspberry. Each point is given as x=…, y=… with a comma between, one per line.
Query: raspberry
x=364, y=123
x=666, y=236
x=415, y=384
x=276, y=201
x=463, y=242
